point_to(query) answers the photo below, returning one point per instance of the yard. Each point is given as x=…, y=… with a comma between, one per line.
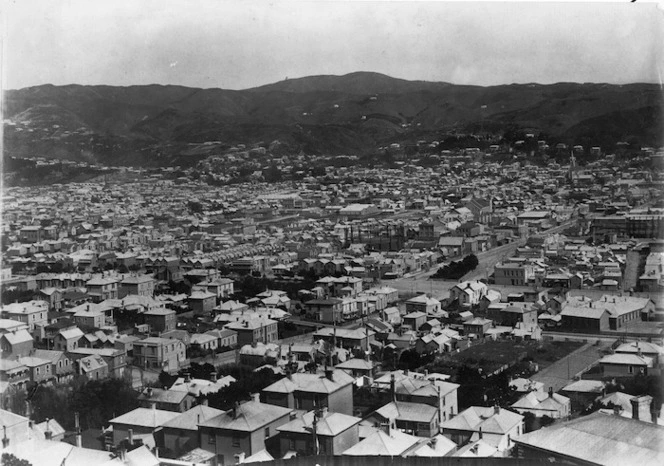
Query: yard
x=496, y=356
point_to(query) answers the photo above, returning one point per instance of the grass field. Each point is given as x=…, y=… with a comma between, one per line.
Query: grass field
x=493, y=355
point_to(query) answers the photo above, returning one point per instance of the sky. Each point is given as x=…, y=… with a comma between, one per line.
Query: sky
x=243, y=44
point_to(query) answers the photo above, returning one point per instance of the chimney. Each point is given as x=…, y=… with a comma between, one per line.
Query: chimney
x=616, y=410
x=204, y=401
x=479, y=433
x=187, y=377
x=148, y=392
x=48, y=435
x=77, y=425
x=641, y=408
x=550, y=392
x=329, y=374
x=256, y=397
x=393, y=391
x=5, y=440
x=122, y=453
x=213, y=376
x=130, y=437
x=496, y=409
x=292, y=416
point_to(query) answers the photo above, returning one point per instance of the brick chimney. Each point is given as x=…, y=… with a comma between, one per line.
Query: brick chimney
x=641, y=408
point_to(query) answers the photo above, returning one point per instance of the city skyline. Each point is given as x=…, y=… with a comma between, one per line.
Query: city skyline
x=223, y=45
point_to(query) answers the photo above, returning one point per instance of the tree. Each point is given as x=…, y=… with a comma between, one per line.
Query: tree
x=10, y=460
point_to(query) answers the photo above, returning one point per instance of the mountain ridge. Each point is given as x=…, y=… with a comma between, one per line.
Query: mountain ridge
x=354, y=112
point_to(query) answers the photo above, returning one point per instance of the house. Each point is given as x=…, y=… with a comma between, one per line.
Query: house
x=319, y=432
x=254, y=330
x=14, y=374
x=645, y=348
x=92, y=367
x=625, y=365
x=242, y=430
x=356, y=339
x=62, y=367
x=542, y=404
x=418, y=419
x=89, y=316
x=16, y=344
x=140, y=422
x=102, y=288
x=414, y=320
x=116, y=359
x=389, y=442
x=220, y=287
x=468, y=294
x=328, y=311
x=202, y=302
x=452, y=246
x=226, y=338
x=423, y=304
x=33, y=313
x=498, y=427
x=513, y=274
x=583, y=393
x=582, y=315
x=363, y=370
x=141, y=285
x=599, y=439
x=160, y=320
x=477, y=326
x=437, y=393
x=160, y=354
x=308, y=391
x=167, y=400
x=515, y=313
x=180, y=434
x=40, y=370
x=67, y=339
x=204, y=341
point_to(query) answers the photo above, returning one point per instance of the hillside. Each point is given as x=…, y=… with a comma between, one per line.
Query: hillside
x=356, y=113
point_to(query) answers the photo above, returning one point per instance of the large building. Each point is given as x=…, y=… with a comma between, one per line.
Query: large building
x=597, y=439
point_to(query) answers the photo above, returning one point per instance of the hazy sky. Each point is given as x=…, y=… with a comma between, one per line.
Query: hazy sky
x=241, y=44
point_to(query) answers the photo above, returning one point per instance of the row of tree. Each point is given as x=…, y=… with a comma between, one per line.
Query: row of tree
x=457, y=269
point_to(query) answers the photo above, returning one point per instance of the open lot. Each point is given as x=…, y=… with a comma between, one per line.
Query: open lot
x=492, y=356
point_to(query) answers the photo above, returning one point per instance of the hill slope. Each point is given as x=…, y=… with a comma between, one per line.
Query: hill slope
x=355, y=113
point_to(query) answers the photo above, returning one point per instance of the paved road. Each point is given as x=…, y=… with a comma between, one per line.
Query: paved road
x=421, y=283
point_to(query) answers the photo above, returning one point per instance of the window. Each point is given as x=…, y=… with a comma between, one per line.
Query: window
x=630, y=369
x=212, y=438
x=267, y=432
x=236, y=441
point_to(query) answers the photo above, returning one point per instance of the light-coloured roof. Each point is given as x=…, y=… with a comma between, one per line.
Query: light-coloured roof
x=312, y=383
x=405, y=411
x=249, y=417
x=145, y=417
x=587, y=386
x=382, y=444
x=490, y=420
x=330, y=424
x=627, y=359
x=189, y=420
x=602, y=439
